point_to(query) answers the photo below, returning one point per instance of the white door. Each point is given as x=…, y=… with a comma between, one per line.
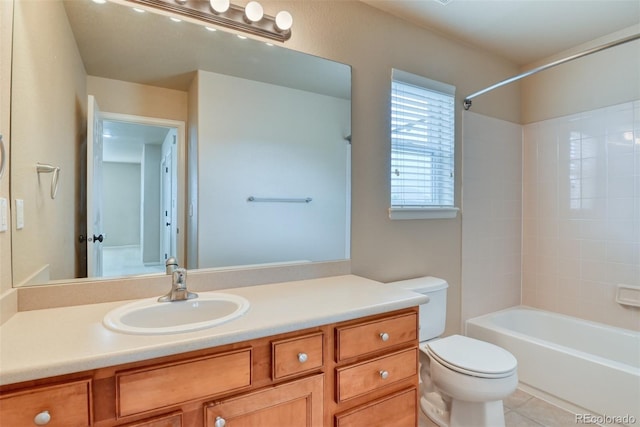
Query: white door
x=169, y=218
x=95, y=234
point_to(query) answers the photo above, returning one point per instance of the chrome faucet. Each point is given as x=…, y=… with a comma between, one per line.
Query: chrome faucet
x=178, y=290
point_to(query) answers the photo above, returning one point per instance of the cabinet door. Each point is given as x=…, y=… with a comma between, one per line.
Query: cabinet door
x=295, y=404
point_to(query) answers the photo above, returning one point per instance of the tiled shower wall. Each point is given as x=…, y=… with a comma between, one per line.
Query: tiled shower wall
x=581, y=213
x=491, y=214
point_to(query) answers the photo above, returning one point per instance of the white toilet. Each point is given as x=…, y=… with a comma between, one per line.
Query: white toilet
x=463, y=380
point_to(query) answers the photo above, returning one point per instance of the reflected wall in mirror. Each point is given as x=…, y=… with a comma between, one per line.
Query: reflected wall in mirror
x=193, y=124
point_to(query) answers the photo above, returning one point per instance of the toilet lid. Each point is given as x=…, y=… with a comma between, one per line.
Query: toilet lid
x=472, y=357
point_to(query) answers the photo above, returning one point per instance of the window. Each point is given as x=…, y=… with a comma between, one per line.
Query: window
x=422, y=148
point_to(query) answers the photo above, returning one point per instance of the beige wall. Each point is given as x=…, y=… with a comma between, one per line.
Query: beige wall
x=116, y=96
x=373, y=42
x=48, y=126
x=605, y=78
x=6, y=13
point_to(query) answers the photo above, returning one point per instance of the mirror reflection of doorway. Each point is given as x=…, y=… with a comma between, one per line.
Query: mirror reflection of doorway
x=139, y=196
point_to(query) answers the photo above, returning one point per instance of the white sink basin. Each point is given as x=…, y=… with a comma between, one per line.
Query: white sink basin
x=150, y=317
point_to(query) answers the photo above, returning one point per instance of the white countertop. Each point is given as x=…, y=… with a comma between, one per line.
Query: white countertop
x=43, y=343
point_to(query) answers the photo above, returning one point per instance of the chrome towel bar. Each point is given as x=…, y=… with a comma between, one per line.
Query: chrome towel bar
x=278, y=199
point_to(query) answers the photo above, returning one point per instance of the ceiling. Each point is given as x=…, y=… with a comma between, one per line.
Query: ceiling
x=523, y=31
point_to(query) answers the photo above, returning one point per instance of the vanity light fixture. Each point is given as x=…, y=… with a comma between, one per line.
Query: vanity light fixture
x=253, y=12
x=219, y=6
x=283, y=21
x=250, y=19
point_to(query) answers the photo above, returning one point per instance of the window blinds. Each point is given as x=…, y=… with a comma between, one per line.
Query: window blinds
x=422, y=142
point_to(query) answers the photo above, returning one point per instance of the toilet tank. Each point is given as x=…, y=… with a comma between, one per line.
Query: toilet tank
x=433, y=313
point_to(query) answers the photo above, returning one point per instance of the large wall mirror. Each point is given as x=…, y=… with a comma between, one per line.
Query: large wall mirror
x=137, y=137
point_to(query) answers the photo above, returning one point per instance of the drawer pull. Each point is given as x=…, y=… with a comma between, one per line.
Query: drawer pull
x=42, y=418
x=302, y=357
x=220, y=422
x=384, y=374
x=384, y=336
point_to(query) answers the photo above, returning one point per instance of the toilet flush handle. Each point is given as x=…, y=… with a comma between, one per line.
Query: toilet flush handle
x=384, y=336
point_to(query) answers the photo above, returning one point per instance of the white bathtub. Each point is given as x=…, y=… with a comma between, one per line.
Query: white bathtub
x=587, y=364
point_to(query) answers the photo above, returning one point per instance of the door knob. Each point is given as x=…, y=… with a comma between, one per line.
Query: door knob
x=99, y=238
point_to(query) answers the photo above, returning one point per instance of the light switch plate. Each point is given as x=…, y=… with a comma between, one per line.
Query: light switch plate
x=19, y=214
x=4, y=222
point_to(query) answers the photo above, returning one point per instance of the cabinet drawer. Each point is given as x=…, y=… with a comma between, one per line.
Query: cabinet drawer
x=355, y=380
x=397, y=410
x=377, y=335
x=170, y=420
x=146, y=389
x=297, y=355
x=68, y=405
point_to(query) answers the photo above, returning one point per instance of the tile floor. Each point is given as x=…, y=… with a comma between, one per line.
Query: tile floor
x=523, y=410
x=125, y=261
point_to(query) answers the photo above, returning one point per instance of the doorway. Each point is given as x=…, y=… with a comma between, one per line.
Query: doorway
x=139, y=197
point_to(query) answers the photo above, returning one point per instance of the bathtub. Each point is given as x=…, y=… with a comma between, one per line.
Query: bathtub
x=579, y=363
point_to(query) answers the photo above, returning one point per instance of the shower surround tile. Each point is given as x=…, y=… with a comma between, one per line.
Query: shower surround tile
x=492, y=215
x=581, y=230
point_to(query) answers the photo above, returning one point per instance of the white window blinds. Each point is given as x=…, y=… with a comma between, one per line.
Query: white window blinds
x=422, y=142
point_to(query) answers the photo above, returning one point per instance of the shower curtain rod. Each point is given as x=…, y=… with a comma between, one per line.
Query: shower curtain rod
x=467, y=100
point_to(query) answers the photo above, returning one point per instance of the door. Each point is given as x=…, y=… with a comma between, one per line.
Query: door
x=95, y=235
x=169, y=206
x=295, y=404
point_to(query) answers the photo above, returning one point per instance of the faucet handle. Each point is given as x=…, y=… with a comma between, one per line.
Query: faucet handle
x=170, y=265
x=179, y=276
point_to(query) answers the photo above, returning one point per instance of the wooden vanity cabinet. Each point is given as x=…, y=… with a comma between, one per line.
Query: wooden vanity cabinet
x=350, y=374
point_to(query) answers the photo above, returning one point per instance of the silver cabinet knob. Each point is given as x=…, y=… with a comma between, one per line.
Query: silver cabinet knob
x=384, y=374
x=42, y=419
x=384, y=336
x=220, y=422
x=302, y=357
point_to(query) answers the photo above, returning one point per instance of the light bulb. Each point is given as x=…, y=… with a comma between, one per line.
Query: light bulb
x=284, y=21
x=253, y=12
x=219, y=6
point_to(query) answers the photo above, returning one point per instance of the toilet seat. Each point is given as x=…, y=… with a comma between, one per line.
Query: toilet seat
x=472, y=357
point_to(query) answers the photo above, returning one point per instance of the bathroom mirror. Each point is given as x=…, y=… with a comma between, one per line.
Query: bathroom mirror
x=223, y=151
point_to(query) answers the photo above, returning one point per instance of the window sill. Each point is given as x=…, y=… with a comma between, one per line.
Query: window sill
x=423, y=213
